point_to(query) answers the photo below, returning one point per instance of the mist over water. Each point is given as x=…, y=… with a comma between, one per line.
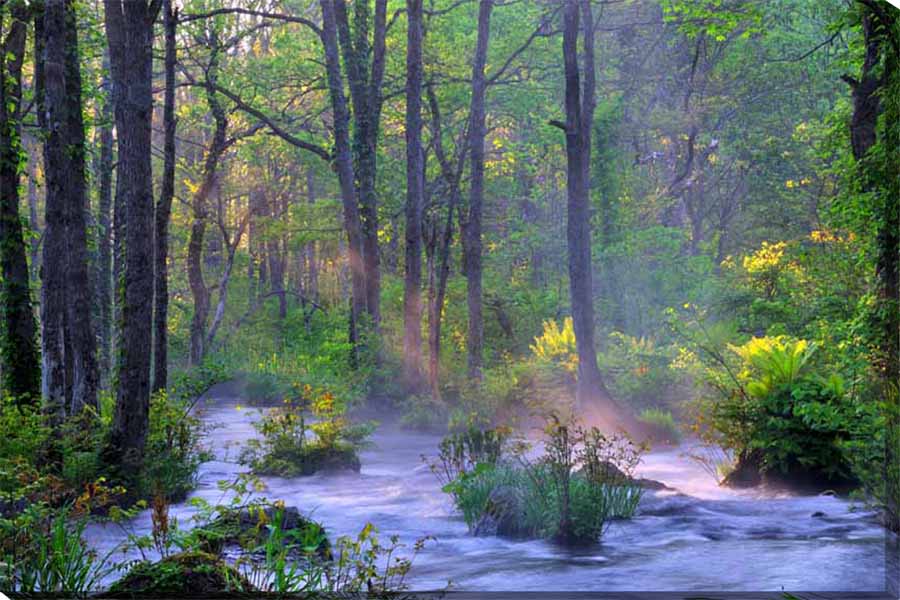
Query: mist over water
x=700, y=537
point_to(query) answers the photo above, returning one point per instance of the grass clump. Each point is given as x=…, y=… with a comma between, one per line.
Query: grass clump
x=568, y=494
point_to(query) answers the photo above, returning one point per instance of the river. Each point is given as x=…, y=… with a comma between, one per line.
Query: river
x=698, y=538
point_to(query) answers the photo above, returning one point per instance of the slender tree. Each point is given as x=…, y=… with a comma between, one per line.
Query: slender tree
x=415, y=173
x=343, y=159
x=164, y=207
x=200, y=209
x=365, y=80
x=472, y=229
x=18, y=339
x=580, y=102
x=129, y=30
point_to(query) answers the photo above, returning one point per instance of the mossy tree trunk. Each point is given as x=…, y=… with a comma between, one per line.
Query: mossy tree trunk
x=129, y=29
x=18, y=337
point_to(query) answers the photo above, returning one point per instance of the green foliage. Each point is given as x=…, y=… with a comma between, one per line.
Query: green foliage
x=640, y=370
x=308, y=433
x=22, y=435
x=263, y=387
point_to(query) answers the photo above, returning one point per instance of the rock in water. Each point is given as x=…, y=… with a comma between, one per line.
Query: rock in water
x=189, y=575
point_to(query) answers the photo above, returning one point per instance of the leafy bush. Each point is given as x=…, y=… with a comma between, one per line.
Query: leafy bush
x=308, y=433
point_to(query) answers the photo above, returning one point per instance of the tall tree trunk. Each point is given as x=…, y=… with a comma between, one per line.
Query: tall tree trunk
x=164, y=208
x=129, y=29
x=344, y=163
x=477, y=133
x=579, y=120
x=415, y=173
x=200, y=209
x=312, y=268
x=436, y=306
x=104, y=169
x=18, y=332
x=66, y=188
x=366, y=97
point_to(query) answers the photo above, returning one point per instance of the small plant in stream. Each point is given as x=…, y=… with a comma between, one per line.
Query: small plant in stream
x=308, y=433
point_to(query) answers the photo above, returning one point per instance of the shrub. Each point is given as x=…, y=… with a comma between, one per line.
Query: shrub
x=185, y=574
x=663, y=424
x=308, y=433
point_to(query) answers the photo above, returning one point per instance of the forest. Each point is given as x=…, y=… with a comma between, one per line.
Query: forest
x=379, y=296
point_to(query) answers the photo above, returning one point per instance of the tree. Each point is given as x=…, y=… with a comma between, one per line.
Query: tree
x=344, y=164
x=65, y=252
x=472, y=225
x=129, y=29
x=580, y=102
x=104, y=173
x=164, y=208
x=18, y=339
x=415, y=174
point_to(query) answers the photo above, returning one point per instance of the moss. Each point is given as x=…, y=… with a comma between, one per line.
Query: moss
x=186, y=574
x=247, y=528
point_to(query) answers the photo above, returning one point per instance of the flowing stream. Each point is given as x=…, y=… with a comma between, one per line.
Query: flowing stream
x=701, y=537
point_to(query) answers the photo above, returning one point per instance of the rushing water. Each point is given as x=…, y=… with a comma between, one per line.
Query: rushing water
x=700, y=538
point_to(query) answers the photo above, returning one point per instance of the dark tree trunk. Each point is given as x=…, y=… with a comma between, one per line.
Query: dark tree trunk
x=415, y=173
x=473, y=257
x=164, y=208
x=129, y=29
x=66, y=188
x=579, y=121
x=104, y=225
x=344, y=164
x=18, y=341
